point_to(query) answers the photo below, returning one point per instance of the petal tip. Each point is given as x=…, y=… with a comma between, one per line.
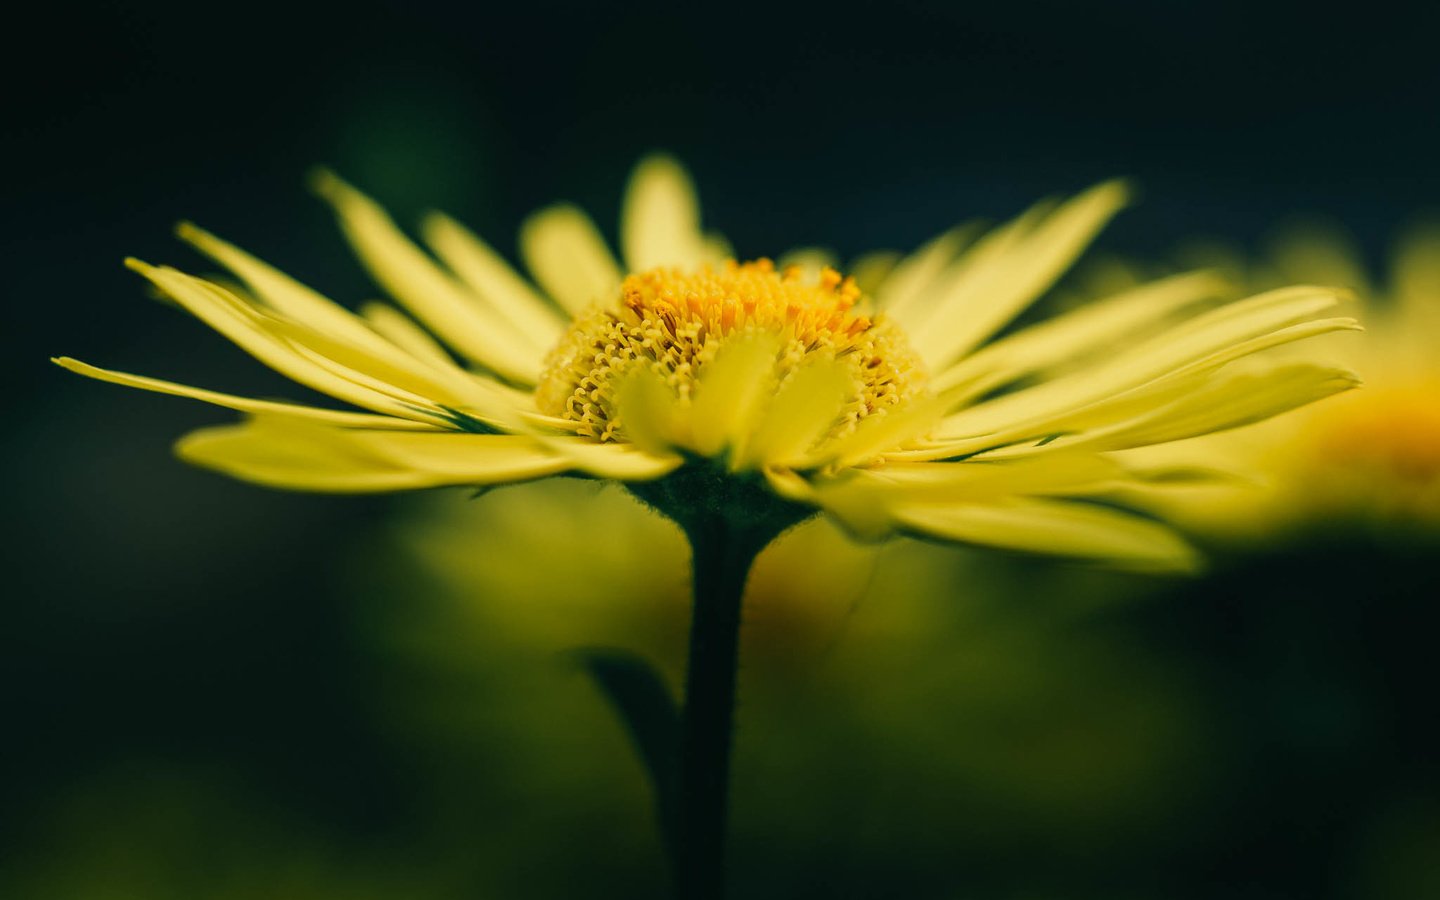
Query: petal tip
x=660, y=162
x=325, y=183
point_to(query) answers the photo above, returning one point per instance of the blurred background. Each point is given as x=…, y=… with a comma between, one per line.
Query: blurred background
x=213, y=690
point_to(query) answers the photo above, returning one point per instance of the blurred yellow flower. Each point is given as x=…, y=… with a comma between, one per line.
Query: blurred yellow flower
x=1371, y=455
x=636, y=592
x=898, y=411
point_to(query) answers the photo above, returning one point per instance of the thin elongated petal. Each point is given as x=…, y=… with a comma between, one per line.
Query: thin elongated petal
x=804, y=408
x=623, y=462
x=1149, y=404
x=565, y=253
x=319, y=325
x=295, y=456
x=1214, y=333
x=912, y=279
x=382, y=368
x=811, y=261
x=283, y=293
x=1094, y=327
x=421, y=286
x=971, y=482
x=872, y=270
x=730, y=388
x=1413, y=320
x=1220, y=330
x=343, y=418
x=1316, y=253
x=1415, y=279
x=989, y=294
x=227, y=314
x=1241, y=399
x=488, y=274
x=449, y=387
x=646, y=407
x=863, y=500
x=717, y=248
x=400, y=330
x=878, y=432
x=445, y=386
x=1056, y=527
x=660, y=220
x=1277, y=338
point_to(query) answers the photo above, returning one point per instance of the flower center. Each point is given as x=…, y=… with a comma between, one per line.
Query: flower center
x=675, y=321
x=1395, y=432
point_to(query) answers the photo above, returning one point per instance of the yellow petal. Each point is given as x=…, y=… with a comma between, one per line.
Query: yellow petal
x=295, y=456
x=232, y=317
x=1094, y=327
x=337, y=417
x=1239, y=399
x=811, y=261
x=488, y=274
x=729, y=389
x=622, y=462
x=805, y=407
x=864, y=500
x=1317, y=252
x=911, y=282
x=402, y=331
x=283, y=293
x=973, y=481
x=717, y=248
x=1080, y=423
x=854, y=500
x=645, y=406
x=1055, y=527
x=873, y=269
x=1415, y=278
x=446, y=387
x=884, y=430
x=567, y=256
x=986, y=296
x=1205, y=339
x=1279, y=337
x=789, y=484
x=339, y=335
x=660, y=220
x=459, y=318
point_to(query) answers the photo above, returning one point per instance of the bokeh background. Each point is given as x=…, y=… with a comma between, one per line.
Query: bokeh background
x=216, y=691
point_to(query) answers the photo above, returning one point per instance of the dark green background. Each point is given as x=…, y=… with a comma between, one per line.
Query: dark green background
x=183, y=641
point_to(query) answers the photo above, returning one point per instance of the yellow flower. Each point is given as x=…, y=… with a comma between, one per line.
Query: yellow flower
x=635, y=595
x=1372, y=455
x=687, y=373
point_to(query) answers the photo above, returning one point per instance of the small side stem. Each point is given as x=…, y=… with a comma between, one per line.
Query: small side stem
x=722, y=559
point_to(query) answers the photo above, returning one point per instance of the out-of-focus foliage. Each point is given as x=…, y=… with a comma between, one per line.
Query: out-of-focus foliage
x=917, y=721
x=932, y=717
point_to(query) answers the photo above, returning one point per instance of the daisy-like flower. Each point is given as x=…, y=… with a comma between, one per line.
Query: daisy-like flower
x=894, y=411
x=739, y=399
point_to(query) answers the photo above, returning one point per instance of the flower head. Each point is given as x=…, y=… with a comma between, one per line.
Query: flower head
x=757, y=390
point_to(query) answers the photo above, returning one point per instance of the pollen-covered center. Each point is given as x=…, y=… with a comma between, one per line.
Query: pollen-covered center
x=675, y=322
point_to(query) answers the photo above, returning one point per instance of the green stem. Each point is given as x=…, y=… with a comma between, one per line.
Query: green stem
x=722, y=559
x=728, y=519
